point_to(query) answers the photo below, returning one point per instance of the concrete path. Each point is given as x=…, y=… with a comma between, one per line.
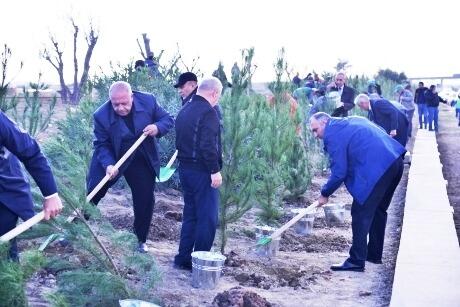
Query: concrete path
x=428, y=265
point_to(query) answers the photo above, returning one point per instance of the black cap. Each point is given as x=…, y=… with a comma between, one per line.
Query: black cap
x=186, y=76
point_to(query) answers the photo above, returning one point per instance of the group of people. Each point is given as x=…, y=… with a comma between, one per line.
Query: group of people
x=128, y=114
x=366, y=154
x=118, y=123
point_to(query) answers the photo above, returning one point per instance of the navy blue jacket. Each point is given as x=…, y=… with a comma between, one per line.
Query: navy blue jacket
x=360, y=152
x=15, y=146
x=110, y=130
x=389, y=117
x=420, y=95
x=198, y=138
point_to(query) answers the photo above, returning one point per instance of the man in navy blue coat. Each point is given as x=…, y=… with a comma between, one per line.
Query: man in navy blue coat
x=118, y=123
x=15, y=198
x=386, y=115
x=369, y=162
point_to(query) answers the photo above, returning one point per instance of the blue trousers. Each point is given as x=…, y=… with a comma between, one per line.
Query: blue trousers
x=433, y=118
x=201, y=209
x=8, y=220
x=371, y=217
x=422, y=114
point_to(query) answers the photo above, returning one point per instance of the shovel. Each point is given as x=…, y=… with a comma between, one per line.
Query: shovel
x=39, y=217
x=266, y=240
x=166, y=172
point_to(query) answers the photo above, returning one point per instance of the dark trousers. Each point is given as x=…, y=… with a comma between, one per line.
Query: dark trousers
x=201, y=208
x=141, y=180
x=8, y=220
x=371, y=217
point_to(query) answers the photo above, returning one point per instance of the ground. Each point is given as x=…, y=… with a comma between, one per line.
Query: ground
x=448, y=139
x=298, y=276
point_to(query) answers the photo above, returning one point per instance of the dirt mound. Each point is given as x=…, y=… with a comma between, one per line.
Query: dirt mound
x=321, y=243
x=161, y=228
x=238, y=297
x=234, y=260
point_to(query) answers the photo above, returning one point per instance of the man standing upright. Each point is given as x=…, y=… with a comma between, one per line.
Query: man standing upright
x=186, y=86
x=198, y=142
x=370, y=164
x=118, y=123
x=422, y=109
x=347, y=95
x=386, y=115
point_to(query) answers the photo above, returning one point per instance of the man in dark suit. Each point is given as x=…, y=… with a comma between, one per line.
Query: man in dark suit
x=347, y=95
x=15, y=198
x=118, y=123
x=370, y=164
x=198, y=142
x=386, y=115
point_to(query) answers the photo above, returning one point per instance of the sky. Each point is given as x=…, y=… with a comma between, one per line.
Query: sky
x=419, y=38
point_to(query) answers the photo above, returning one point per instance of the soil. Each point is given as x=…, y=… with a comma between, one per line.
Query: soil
x=299, y=275
x=448, y=138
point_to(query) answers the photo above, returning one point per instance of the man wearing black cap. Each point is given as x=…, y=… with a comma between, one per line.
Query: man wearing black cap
x=187, y=86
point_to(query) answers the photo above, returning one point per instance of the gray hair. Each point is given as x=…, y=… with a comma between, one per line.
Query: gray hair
x=120, y=86
x=210, y=84
x=320, y=116
x=361, y=97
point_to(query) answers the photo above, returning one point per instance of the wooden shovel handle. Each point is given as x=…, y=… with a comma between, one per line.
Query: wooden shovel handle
x=294, y=220
x=116, y=167
x=40, y=216
x=22, y=227
x=171, y=161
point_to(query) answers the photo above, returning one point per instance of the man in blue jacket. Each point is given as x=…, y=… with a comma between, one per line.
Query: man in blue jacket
x=118, y=123
x=419, y=99
x=15, y=198
x=386, y=115
x=198, y=142
x=370, y=164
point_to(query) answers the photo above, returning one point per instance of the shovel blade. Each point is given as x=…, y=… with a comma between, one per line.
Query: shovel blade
x=165, y=174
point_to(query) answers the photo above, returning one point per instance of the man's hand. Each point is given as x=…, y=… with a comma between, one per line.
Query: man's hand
x=52, y=207
x=393, y=133
x=216, y=180
x=111, y=171
x=151, y=130
x=322, y=201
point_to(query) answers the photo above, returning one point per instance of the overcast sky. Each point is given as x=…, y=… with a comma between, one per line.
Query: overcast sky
x=419, y=38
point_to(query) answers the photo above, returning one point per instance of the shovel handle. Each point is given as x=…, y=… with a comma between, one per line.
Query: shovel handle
x=171, y=161
x=22, y=227
x=294, y=220
x=116, y=167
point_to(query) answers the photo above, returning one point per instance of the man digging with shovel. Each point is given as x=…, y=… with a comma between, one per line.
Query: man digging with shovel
x=15, y=198
x=370, y=164
x=118, y=123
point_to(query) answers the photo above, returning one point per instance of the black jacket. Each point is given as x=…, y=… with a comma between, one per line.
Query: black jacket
x=347, y=97
x=389, y=117
x=198, y=138
x=433, y=99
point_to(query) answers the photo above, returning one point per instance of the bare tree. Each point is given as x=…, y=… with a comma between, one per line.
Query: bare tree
x=54, y=57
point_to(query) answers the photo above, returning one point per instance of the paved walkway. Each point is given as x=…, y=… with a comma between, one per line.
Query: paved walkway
x=428, y=265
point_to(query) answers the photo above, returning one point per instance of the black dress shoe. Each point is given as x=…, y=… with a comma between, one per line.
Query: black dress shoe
x=347, y=266
x=185, y=267
x=376, y=261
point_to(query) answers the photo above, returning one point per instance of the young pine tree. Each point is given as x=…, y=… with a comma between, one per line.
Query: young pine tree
x=240, y=123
